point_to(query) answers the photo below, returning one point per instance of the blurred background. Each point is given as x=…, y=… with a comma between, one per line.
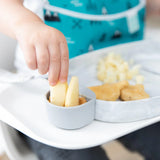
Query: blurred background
x=7, y=47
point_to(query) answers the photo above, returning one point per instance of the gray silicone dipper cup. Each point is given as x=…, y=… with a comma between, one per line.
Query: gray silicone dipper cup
x=73, y=117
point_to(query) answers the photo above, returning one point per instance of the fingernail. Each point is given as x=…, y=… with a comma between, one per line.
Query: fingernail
x=63, y=80
x=52, y=83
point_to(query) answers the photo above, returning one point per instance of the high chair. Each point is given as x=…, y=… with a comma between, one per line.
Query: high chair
x=14, y=146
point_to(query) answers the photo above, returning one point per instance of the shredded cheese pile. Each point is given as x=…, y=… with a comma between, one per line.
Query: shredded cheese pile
x=113, y=68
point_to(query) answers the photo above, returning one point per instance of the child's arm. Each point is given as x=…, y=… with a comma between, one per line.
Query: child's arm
x=44, y=47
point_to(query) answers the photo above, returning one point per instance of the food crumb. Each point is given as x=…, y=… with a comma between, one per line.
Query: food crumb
x=82, y=100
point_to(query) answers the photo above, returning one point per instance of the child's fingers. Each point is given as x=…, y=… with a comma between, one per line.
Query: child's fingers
x=64, y=62
x=54, y=67
x=42, y=59
x=30, y=57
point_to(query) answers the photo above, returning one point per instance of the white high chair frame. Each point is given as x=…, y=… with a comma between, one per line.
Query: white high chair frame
x=13, y=145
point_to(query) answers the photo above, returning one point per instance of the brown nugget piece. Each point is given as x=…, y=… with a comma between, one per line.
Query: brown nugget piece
x=82, y=100
x=135, y=92
x=122, y=84
x=109, y=92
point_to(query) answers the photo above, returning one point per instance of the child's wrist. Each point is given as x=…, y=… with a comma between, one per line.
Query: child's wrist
x=22, y=21
x=23, y=26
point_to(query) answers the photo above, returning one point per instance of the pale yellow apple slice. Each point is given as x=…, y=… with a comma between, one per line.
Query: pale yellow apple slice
x=72, y=97
x=58, y=94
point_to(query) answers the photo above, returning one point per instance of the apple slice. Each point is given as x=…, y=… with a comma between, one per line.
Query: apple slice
x=58, y=94
x=72, y=97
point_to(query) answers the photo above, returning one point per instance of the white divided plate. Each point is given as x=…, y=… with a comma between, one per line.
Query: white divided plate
x=85, y=67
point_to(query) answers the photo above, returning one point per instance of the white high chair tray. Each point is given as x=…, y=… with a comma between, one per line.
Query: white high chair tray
x=23, y=108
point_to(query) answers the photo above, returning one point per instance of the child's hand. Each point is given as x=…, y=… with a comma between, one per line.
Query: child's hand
x=45, y=49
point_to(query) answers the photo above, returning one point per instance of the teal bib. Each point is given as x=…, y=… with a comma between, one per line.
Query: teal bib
x=93, y=24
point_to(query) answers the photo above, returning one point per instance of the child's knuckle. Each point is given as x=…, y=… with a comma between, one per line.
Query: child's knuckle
x=55, y=59
x=65, y=58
